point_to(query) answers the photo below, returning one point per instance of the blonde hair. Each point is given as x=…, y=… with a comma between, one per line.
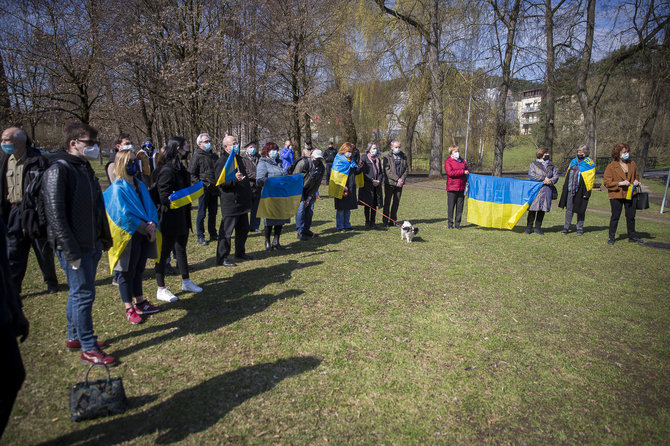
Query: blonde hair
x=452, y=149
x=346, y=147
x=121, y=160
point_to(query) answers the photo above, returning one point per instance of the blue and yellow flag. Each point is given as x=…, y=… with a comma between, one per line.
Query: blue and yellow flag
x=630, y=192
x=496, y=202
x=587, y=168
x=185, y=196
x=228, y=172
x=280, y=197
x=125, y=212
x=338, y=176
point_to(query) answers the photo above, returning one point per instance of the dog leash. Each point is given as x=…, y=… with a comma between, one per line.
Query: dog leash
x=363, y=202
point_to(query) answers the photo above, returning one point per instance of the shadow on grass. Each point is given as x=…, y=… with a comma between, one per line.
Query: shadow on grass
x=194, y=409
x=222, y=302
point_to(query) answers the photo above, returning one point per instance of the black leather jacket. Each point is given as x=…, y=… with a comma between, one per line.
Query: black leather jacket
x=74, y=207
x=201, y=168
x=33, y=163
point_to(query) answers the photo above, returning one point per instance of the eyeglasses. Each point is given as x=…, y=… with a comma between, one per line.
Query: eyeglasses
x=90, y=142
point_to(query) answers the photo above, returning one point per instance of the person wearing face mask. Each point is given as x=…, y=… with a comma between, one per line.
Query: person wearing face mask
x=270, y=166
x=130, y=207
x=542, y=169
x=175, y=224
x=122, y=142
x=577, y=189
x=622, y=182
x=457, y=176
x=19, y=164
x=144, y=164
x=395, y=173
x=235, y=197
x=349, y=200
x=78, y=231
x=201, y=168
x=312, y=168
x=250, y=157
x=371, y=192
x=329, y=156
x=287, y=156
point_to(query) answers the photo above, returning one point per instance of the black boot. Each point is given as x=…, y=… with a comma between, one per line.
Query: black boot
x=538, y=223
x=529, y=222
x=275, y=240
x=268, y=230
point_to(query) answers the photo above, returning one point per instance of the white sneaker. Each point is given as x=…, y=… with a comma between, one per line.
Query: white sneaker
x=165, y=295
x=188, y=285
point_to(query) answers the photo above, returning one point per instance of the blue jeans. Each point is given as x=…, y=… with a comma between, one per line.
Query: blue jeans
x=82, y=294
x=303, y=218
x=342, y=219
x=207, y=204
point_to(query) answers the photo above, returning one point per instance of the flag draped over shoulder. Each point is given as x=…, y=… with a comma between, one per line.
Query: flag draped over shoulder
x=496, y=202
x=125, y=212
x=587, y=169
x=186, y=195
x=338, y=176
x=280, y=197
x=228, y=172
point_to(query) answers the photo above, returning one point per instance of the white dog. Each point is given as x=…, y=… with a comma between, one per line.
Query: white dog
x=407, y=231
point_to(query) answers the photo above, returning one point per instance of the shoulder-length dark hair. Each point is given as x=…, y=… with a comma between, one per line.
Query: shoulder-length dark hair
x=616, y=151
x=171, y=153
x=270, y=145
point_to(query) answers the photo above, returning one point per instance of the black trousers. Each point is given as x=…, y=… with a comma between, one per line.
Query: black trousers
x=130, y=281
x=12, y=373
x=455, y=197
x=326, y=175
x=18, y=250
x=392, y=196
x=629, y=206
x=208, y=203
x=178, y=242
x=238, y=223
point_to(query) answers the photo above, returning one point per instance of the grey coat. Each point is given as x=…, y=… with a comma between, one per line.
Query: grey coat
x=538, y=172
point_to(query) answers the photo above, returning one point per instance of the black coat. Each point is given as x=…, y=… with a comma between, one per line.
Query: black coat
x=201, y=167
x=73, y=204
x=235, y=195
x=351, y=200
x=168, y=180
x=34, y=162
x=581, y=200
x=250, y=163
x=368, y=193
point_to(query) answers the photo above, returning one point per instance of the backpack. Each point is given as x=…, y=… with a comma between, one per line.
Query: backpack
x=291, y=168
x=33, y=215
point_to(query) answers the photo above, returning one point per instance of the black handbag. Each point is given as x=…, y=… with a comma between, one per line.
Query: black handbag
x=92, y=399
x=642, y=200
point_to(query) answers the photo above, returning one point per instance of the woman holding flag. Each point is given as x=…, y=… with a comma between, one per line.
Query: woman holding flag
x=342, y=186
x=175, y=192
x=622, y=182
x=577, y=189
x=269, y=166
x=134, y=225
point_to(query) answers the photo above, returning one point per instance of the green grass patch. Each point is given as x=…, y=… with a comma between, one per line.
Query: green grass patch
x=464, y=336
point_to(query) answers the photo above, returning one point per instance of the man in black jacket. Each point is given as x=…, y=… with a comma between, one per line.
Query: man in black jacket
x=328, y=157
x=19, y=164
x=12, y=324
x=313, y=170
x=235, y=205
x=250, y=159
x=78, y=231
x=201, y=168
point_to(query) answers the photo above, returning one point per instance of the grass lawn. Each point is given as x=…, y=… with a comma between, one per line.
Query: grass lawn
x=467, y=336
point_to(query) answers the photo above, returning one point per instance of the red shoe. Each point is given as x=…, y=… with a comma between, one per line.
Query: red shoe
x=133, y=317
x=74, y=345
x=98, y=357
x=145, y=307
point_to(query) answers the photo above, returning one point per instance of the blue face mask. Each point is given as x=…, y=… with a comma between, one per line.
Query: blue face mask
x=396, y=151
x=251, y=151
x=624, y=156
x=131, y=169
x=207, y=147
x=273, y=154
x=8, y=148
x=235, y=150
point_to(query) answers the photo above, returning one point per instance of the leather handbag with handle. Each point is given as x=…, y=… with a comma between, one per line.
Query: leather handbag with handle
x=92, y=399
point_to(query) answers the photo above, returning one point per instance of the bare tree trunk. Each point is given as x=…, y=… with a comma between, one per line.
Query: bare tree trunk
x=582, y=76
x=437, y=131
x=5, y=105
x=409, y=137
x=550, y=78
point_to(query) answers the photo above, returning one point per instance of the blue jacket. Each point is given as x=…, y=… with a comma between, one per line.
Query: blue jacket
x=287, y=157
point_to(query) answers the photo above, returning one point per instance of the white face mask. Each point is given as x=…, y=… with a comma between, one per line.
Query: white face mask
x=127, y=147
x=625, y=156
x=373, y=152
x=396, y=151
x=456, y=155
x=348, y=154
x=91, y=152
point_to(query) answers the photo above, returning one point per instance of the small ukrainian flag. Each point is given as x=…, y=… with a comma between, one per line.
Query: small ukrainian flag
x=185, y=196
x=228, y=172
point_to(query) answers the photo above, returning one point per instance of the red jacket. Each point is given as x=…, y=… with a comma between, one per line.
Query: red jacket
x=456, y=176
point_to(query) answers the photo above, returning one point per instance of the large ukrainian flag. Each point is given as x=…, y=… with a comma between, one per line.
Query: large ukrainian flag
x=228, y=172
x=280, y=197
x=587, y=168
x=125, y=212
x=186, y=195
x=496, y=202
x=338, y=176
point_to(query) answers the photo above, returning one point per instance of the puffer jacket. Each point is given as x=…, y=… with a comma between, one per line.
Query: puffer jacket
x=73, y=204
x=456, y=177
x=201, y=168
